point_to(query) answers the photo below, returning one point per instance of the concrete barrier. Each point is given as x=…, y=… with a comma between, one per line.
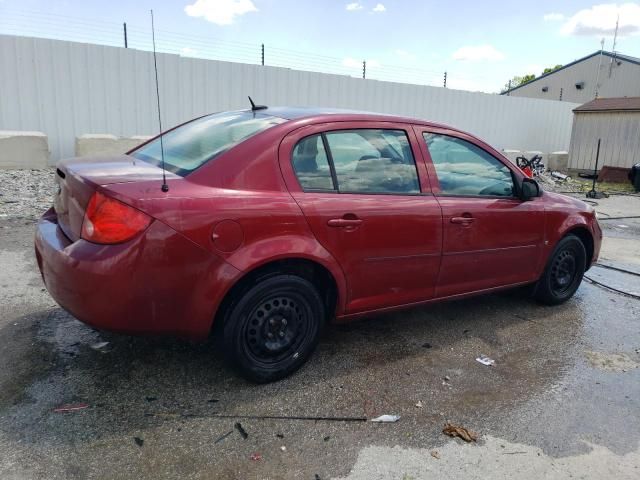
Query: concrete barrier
x=558, y=161
x=23, y=150
x=103, y=145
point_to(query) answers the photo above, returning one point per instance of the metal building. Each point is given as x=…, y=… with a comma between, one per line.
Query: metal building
x=616, y=121
x=601, y=74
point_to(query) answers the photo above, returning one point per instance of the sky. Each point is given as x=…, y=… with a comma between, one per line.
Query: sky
x=480, y=44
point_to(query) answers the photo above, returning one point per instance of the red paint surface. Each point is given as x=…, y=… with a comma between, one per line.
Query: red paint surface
x=246, y=209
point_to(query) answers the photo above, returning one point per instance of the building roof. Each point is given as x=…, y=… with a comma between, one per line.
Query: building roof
x=619, y=56
x=627, y=104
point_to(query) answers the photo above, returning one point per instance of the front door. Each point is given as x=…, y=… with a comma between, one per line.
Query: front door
x=359, y=189
x=491, y=237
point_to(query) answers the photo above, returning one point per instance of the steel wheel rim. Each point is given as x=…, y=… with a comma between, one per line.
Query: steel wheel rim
x=276, y=328
x=563, y=271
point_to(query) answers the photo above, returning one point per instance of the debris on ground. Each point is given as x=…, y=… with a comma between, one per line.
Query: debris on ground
x=446, y=378
x=256, y=457
x=327, y=438
x=72, y=407
x=242, y=431
x=419, y=404
x=560, y=176
x=100, y=347
x=283, y=448
x=139, y=441
x=213, y=400
x=460, y=432
x=151, y=399
x=221, y=438
x=427, y=345
x=435, y=454
x=386, y=419
x=26, y=193
x=279, y=435
x=483, y=359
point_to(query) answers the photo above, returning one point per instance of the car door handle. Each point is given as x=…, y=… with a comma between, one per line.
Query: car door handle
x=344, y=222
x=462, y=220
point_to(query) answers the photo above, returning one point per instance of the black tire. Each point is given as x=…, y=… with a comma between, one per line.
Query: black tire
x=564, y=271
x=272, y=328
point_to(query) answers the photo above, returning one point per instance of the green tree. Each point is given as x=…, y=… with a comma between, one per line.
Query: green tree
x=551, y=69
x=517, y=81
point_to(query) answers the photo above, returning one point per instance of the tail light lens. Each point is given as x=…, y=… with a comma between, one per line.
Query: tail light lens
x=108, y=220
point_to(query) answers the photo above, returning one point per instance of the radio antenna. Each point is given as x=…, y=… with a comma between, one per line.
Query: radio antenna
x=165, y=187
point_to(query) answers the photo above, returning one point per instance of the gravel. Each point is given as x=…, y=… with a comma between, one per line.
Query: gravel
x=26, y=193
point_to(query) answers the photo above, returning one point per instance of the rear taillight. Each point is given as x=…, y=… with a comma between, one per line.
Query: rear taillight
x=108, y=220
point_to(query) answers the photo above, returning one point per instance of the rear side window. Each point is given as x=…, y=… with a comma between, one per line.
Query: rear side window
x=364, y=161
x=199, y=141
x=465, y=169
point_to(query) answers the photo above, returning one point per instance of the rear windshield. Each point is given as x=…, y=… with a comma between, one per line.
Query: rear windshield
x=195, y=143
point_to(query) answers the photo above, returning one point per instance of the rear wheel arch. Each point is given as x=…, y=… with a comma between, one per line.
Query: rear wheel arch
x=314, y=272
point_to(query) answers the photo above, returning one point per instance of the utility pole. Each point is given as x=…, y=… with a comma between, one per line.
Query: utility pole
x=613, y=49
x=263, y=54
x=364, y=69
x=599, y=66
x=445, y=79
x=126, y=45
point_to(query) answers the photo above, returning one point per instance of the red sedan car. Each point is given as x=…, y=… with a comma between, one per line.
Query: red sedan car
x=277, y=220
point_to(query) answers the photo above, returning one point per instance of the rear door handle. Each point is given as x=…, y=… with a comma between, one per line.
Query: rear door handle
x=344, y=222
x=462, y=220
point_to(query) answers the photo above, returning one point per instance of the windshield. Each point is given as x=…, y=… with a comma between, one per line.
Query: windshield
x=195, y=143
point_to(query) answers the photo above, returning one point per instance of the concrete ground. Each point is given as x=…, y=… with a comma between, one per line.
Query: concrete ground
x=562, y=400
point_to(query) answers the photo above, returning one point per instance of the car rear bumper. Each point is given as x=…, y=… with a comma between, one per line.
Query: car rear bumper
x=157, y=283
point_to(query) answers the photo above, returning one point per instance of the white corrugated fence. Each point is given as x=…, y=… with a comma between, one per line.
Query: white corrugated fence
x=68, y=89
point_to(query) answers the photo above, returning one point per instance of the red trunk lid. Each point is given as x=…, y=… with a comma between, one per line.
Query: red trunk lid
x=78, y=178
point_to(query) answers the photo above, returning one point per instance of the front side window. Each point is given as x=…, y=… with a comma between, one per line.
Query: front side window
x=199, y=141
x=373, y=161
x=465, y=169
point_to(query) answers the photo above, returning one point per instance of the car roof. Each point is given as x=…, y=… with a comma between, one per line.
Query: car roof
x=340, y=114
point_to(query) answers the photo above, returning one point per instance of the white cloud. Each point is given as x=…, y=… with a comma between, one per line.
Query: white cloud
x=553, y=17
x=373, y=64
x=601, y=20
x=404, y=54
x=188, y=52
x=221, y=12
x=478, y=53
x=352, y=7
x=379, y=8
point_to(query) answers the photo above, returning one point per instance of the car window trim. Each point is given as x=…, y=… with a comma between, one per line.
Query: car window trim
x=332, y=168
x=422, y=131
x=334, y=176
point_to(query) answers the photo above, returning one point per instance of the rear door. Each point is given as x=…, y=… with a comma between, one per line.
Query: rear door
x=370, y=206
x=491, y=237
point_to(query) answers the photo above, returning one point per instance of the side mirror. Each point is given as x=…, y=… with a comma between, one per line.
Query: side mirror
x=529, y=189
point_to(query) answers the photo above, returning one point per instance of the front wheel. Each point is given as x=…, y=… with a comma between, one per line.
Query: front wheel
x=271, y=330
x=563, y=273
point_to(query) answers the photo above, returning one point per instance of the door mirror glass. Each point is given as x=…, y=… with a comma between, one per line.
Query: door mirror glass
x=529, y=189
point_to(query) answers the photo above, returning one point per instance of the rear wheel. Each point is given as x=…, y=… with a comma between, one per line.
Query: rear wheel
x=271, y=329
x=563, y=273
